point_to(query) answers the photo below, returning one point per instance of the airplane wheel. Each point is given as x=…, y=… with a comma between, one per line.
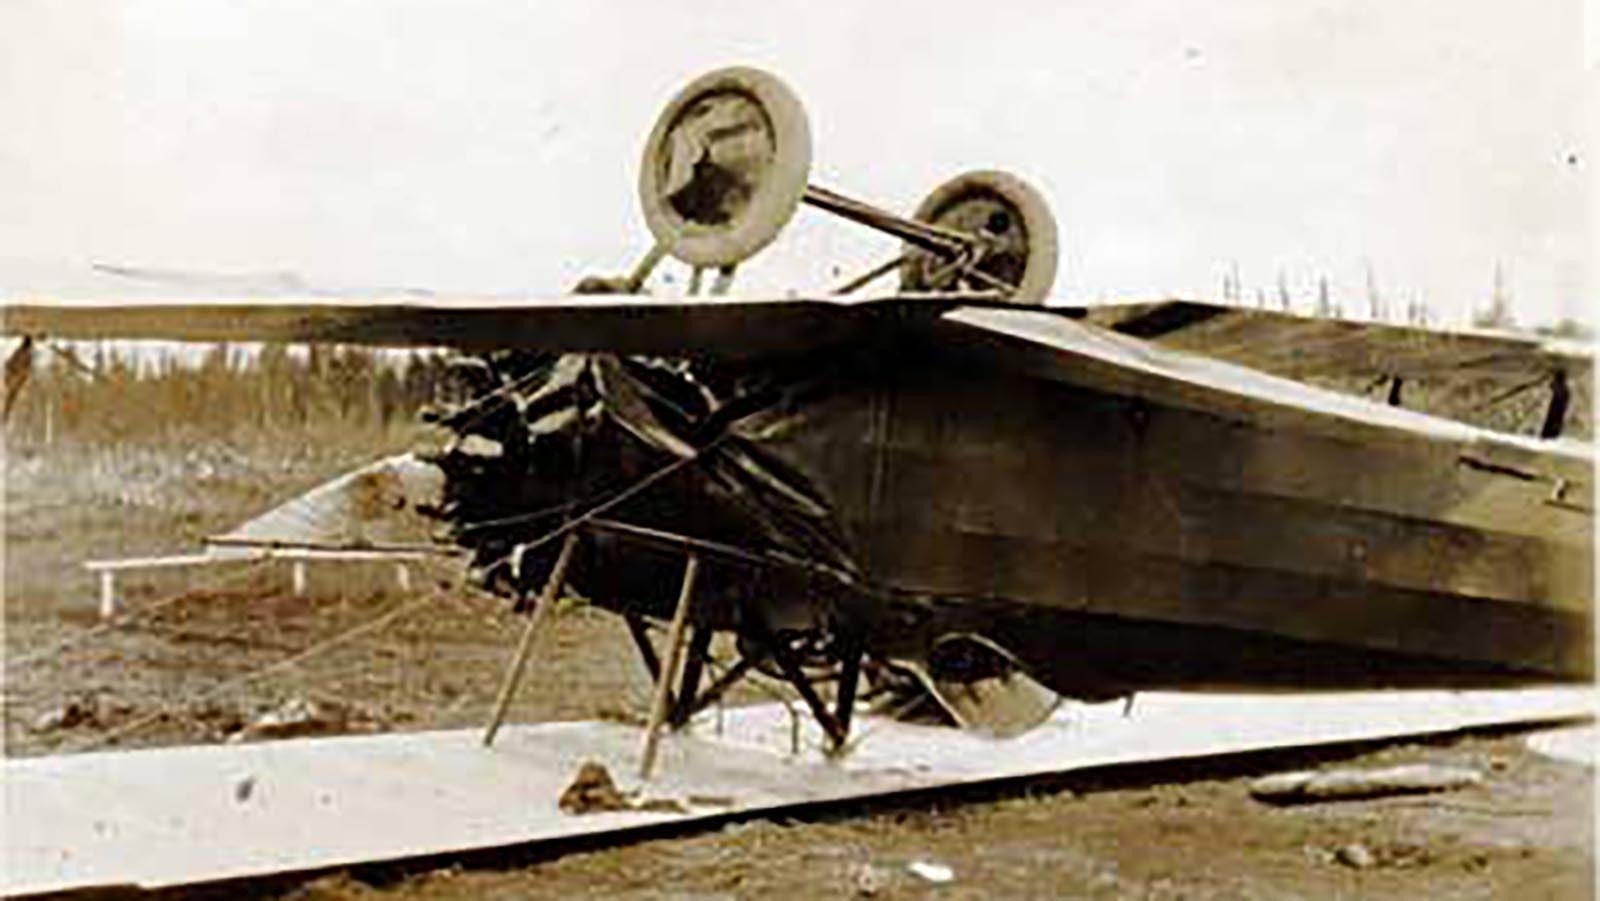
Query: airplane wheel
x=1015, y=219
x=725, y=166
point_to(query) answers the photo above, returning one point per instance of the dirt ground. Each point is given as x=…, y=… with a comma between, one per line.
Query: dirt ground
x=187, y=664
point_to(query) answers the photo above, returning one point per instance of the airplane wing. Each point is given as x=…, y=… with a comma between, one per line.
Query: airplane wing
x=1497, y=379
x=1174, y=349
x=1304, y=347
x=621, y=323
x=1284, y=344
x=1067, y=349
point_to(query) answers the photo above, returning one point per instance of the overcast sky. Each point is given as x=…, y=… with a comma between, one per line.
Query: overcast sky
x=492, y=146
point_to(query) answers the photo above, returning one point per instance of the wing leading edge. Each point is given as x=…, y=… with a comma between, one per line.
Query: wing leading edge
x=1137, y=358
x=621, y=324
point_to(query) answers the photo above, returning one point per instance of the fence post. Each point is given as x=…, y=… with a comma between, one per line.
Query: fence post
x=108, y=594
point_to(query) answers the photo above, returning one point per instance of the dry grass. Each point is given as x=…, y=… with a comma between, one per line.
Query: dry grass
x=77, y=500
x=191, y=638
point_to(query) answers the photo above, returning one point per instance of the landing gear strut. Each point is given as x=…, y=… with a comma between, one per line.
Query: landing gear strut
x=725, y=168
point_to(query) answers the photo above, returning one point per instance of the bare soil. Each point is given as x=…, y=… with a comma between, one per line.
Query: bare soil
x=186, y=665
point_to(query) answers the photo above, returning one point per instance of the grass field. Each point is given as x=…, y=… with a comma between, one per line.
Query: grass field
x=189, y=631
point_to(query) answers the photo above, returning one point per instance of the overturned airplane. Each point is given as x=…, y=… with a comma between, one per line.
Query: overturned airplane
x=957, y=488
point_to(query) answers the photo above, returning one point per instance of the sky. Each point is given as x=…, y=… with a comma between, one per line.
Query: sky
x=492, y=147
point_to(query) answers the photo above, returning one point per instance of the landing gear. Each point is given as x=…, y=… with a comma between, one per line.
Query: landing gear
x=1016, y=247
x=975, y=683
x=726, y=166
x=808, y=661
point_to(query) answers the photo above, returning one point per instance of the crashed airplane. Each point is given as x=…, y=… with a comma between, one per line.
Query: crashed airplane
x=957, y=489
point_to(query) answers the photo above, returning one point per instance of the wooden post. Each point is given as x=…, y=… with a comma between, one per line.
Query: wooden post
x=297, y=576
x=669, y=668
x=547, y=603
x=108, y=594
x=402, y=577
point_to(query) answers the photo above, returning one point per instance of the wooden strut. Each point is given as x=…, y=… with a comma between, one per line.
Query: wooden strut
x=541, y=613
x=669, y=668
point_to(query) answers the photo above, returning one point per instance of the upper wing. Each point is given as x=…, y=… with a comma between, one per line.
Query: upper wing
x=621, y=324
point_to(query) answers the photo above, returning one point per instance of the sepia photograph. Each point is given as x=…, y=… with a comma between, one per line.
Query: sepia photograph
x=499, y=449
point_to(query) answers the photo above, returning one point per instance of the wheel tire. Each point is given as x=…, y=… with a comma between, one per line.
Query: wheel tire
x=711, y=223
x=1031, y=262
